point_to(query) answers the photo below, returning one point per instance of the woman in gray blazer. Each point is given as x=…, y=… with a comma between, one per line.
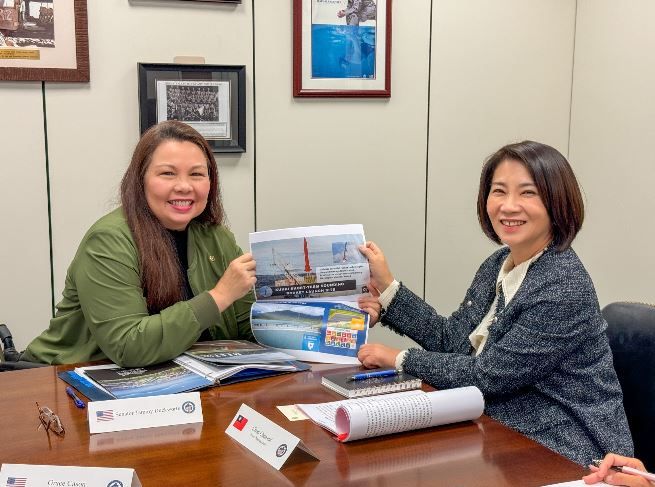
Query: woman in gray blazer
x=529, y=332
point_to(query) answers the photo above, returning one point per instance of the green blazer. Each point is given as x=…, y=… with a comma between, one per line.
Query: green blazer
x=103, y=313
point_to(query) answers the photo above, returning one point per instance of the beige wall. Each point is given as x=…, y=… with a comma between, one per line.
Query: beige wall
x=468, y=76
x=25, y=296
x=612, y=135
x=501, y=73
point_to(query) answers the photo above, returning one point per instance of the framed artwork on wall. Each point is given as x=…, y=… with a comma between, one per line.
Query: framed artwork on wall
x=342, y=48
x=44, y=40
x=210, y=98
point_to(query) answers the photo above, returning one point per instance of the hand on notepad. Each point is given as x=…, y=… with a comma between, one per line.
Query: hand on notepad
x=374, y=355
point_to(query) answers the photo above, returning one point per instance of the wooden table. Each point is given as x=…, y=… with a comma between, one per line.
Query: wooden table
x=480, y=453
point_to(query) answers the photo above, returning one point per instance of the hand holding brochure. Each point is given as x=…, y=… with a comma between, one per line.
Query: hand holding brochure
x=308, y=283
x=355, y=419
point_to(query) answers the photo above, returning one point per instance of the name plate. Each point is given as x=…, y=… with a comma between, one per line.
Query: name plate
x=264, y=438
x=144, y=412
x=55, y=476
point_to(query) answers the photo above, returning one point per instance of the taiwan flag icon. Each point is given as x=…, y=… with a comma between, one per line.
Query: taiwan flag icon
x=240, y=422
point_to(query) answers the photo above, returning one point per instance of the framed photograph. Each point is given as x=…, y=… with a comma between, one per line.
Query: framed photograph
x=210, y=98
x=342, y=48
x=44, y=40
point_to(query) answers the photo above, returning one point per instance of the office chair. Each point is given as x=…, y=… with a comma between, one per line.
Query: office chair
x=631, y=333
x=10, y=358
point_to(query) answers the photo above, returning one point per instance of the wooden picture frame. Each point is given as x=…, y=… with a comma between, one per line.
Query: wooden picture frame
x=339, y=51
x=210, y=98
x=44, y=43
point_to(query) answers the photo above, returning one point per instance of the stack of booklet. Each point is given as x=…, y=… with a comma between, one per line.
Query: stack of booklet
x=205, y=364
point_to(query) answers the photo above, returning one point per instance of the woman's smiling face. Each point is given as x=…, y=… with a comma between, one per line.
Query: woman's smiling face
x=517, y=212
x=177, y=183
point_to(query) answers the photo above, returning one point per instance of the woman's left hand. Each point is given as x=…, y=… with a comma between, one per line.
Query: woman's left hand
x=372, y=306
x=373, y=355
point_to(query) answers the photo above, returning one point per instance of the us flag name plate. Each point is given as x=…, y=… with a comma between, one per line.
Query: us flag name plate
x=144, y=412
x=19, y=475
x=264, y=438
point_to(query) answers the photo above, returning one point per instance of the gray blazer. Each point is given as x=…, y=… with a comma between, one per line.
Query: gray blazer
x=546, y=369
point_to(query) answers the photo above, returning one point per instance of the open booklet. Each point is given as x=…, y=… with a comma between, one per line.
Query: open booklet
x=205, y=364
x=308, y=283
x=354, y=419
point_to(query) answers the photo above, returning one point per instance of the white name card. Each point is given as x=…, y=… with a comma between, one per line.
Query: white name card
x=144, y=412
x=263, y=437
x=55, y=476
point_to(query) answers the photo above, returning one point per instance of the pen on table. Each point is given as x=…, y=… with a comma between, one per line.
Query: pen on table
x=377, y=373
x=78, y=402
x=628, y=470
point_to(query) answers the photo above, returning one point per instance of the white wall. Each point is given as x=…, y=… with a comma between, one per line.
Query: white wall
x=612, y=135
x=501, y=73
x=486, y=73
x=25, y=302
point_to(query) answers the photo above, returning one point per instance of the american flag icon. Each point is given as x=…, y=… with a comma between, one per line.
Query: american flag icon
x=107, y=415
x=16, y=481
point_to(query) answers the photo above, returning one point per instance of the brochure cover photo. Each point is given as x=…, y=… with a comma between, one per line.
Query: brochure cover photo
x=317, y=331
x=310, y=262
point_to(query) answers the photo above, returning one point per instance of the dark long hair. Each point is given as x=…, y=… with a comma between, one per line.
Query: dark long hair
x=555, y=181
x=161, y=277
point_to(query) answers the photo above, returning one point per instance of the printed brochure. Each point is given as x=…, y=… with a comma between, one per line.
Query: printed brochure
x=308, y=283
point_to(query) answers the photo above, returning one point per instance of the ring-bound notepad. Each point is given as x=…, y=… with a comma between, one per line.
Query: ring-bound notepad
x=342, y=384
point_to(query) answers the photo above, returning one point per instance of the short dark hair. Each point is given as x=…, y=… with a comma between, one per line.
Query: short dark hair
x=555, y=181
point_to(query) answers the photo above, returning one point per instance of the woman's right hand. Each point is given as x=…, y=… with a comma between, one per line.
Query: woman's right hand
x=381, y=276
x=238, y=279
x=602, y=473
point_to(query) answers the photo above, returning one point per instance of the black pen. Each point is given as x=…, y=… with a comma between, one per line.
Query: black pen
x=627, y=470
x=78, y=402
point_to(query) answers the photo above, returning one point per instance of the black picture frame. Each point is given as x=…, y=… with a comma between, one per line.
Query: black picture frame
x=211, y=98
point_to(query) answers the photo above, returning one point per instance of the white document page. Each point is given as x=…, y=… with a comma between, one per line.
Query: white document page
x=324, y=414
x=354, y=419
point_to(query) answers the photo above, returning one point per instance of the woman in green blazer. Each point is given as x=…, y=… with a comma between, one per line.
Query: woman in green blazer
x=158, y=273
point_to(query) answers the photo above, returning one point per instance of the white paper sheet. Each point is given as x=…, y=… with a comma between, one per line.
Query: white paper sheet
x=353, y=419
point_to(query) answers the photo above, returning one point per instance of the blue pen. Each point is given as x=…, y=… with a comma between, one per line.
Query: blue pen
x=377, y=373
x=78, y=402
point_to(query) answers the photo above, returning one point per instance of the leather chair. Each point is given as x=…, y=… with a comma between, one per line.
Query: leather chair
x=631, y=333
x=9, y=358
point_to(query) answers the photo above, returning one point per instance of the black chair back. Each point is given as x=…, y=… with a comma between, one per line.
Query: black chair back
x=631, y=333
x=10, y=357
